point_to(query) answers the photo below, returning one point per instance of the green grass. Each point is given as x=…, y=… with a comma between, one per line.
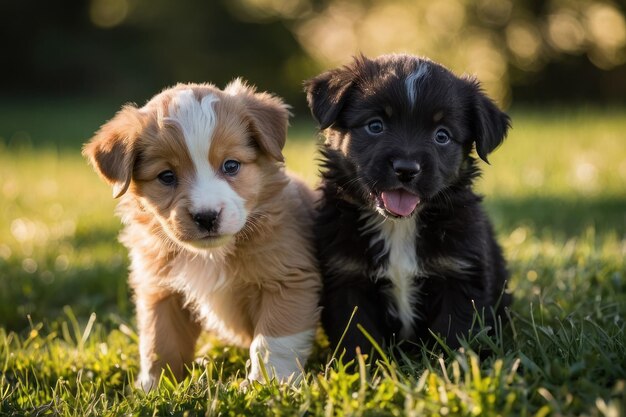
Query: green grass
x=556, y=191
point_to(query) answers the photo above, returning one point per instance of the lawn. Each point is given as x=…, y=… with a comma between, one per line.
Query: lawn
x=556, y=191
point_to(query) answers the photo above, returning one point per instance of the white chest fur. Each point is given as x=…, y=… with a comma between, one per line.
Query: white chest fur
x=399, y=237
x=207, y=289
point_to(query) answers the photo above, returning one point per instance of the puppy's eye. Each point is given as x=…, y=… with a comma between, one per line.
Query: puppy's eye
x=231, y=167
x=167, y=178
x=375, y=127
x=442, y=137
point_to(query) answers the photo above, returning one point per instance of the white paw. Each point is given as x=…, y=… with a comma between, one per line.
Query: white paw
x=282, y=358
x=146, y=382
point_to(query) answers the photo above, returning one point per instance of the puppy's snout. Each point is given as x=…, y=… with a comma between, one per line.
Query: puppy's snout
x=208, y=220
x=405, y=169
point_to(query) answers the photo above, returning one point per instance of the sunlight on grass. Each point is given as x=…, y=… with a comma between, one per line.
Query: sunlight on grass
x=563, y=155
x=556, y=191
x=57, y=239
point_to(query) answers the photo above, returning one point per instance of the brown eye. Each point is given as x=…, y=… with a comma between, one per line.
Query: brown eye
x=167, y=178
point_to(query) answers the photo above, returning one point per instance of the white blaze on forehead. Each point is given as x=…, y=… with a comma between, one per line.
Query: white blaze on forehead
x=414, y=81
x=197, y=120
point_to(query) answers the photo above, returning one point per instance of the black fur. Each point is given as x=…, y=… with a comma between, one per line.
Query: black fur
x=460, y=265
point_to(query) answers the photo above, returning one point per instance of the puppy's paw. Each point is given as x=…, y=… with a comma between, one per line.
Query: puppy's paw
x=146, y=382
x=279, y=358
x=267, y=373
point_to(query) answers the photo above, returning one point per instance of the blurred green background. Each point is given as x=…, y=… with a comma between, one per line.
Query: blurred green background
x=524, y=51
x=66, y=66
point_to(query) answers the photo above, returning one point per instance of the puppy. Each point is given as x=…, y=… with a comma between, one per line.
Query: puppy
x=400, y=234
x=220, y=237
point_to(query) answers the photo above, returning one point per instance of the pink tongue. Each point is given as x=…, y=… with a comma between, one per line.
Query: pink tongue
x=400, y=202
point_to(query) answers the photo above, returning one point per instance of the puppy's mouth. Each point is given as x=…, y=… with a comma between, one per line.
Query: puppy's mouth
x=212, y=240
x=398, y=203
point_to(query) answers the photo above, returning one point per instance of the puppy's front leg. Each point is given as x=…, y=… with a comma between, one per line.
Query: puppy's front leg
x=167, y=337
x=284, y=333
x=345, y=309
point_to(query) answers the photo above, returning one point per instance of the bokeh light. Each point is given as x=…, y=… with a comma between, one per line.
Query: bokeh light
x=108, y=13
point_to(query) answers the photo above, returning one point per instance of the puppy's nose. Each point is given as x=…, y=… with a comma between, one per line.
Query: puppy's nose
x=405, y=169
x=207, y=220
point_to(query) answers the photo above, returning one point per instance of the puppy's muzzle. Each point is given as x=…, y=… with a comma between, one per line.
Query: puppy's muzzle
x=406, y=170
x=207, y=220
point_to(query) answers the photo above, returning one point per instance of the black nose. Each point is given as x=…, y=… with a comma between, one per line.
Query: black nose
x=207, y=220
x=405, y=169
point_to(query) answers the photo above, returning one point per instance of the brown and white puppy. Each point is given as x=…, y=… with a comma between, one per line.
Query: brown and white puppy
x=219, y=235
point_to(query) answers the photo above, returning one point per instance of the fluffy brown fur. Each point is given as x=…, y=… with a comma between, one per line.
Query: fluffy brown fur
x=249, y=276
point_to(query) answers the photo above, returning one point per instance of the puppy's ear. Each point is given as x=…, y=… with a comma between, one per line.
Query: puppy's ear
x=327, y=93
x=269, y=117
x=490, y=124
x=111, y=150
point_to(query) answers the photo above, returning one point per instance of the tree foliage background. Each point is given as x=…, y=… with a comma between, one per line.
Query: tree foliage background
x=523, y=51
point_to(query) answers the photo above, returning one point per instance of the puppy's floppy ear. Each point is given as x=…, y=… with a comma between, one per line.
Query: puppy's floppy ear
x=490, y=124
x=111, y=150
x=269, y=117
x=326, y=94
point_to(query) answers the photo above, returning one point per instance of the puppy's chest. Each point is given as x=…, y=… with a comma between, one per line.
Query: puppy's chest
x=198, y=276
x=398, y=263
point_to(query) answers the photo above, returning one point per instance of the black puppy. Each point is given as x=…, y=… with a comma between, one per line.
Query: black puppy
x=400, y=234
